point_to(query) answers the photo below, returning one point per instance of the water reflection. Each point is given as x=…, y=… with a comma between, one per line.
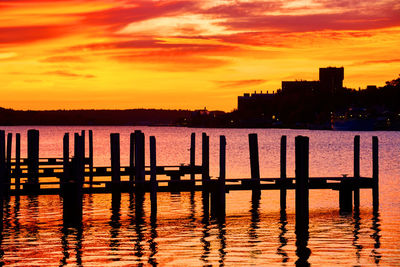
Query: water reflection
x=282, y=238
x=137, y=221
x=222, y=242
x=115, y=223
x=206, y=225
x=254, y=225
x=153, y=246
x=33, y=225
x=375, y=253
x=75, y=234
x=357, y=226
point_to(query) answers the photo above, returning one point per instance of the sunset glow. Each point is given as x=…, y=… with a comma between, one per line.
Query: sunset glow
x=70, y=54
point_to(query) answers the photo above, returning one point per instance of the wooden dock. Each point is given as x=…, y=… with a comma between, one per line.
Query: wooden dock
x=71, y=176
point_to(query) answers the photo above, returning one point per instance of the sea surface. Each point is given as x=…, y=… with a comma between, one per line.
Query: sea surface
x=257, y=234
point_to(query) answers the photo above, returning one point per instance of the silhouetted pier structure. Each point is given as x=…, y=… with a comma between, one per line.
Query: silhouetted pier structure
x=74, y=175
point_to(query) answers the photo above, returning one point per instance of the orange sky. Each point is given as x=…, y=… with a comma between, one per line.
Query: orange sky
x=69, y=54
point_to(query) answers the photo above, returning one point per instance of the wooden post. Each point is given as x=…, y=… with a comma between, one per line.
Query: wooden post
x=66, y=163
x=345, y=197
x=302, y=175
x=17, y=175
x=375, y=173
x=283, y=173
x=254, y=167
x=356, y=171
x=222, y=175
x=132, y=158
x=8, y=164
x=115, y=161
x=2, y=173
x=3, y=168
x=205, y=157
x=192, y=154
x=254, y=161
x=79, y=157
x=72, y=189
x=33, y=160
x=139, y=159
x=90, y=158
x=153, y=177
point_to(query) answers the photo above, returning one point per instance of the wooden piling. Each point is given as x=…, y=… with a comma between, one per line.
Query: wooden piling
x=283, y=173
x=139, y=159
x=153, y=176
x=205, y=157
x=17, y=171
x=302, y=175
x=254, y=167
x=80, y=159
x=221, y=179
x=254, y=161
x=3, y=168
x=132, y=157
x=72, y=192
x=375, y=173
x=345, y=197
x=33, y=161
x=90, y=158
x=2, y=174
x=115, y=161
x=66, y=163
x=192, y=154
x=356, y=171
x=8, y=162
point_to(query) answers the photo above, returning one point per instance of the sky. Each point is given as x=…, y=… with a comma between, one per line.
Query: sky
x=121, y=54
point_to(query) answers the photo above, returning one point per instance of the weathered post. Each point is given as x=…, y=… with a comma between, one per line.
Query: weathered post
x=345, y=197
x=302, y=175
x=90, y=158
x=153, y=177
x=80, y=159
x=73, y=187
x=254, y=166
x=356, y=171
x=222, y=175
x=17, y=171
x=283, y=173
x=3, y=167
x=139, y=160
x=192, y=154
x=66, y=163
x=115, y=162
x=205, y=158
x=205, y=166
x=8, y=164
x=33, y=161
x=2, y=173
x=132, y=158
x=375, y=173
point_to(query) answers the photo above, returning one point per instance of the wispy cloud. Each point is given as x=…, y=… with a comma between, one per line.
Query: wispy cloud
x=68, y=74
x=239, y=83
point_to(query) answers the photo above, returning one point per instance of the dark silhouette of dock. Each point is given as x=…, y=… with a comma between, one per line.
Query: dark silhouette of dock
x=74, y=175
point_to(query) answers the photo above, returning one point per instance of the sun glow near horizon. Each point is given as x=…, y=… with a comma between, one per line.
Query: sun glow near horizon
x=70, y=54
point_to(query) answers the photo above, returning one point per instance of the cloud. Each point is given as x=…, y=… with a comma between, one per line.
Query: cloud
x=57, y=59
x=380, y=61
x=240, y=83
x=27, y=34
x=68, y=74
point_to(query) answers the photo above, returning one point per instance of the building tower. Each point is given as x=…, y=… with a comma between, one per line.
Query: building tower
x=331, y=79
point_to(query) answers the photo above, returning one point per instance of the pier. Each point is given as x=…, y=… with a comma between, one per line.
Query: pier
x=71, y=176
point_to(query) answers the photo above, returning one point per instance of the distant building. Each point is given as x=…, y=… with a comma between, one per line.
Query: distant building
x=300, y=86
x=330, y=81
x=255, y=101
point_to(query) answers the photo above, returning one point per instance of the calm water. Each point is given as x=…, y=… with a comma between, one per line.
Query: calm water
x=253, y=233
